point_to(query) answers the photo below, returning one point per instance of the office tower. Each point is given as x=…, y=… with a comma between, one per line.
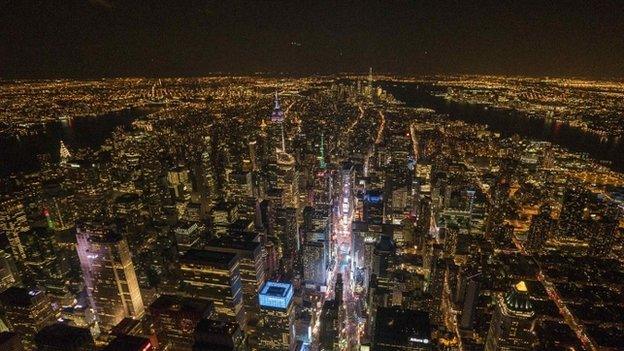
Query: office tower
x=108, y=273
x=132, y=327
x=314, y=263
x=129, y=343
x=10, y=341
x=8, y=271
x=216, y=335
x=397, y=328
x=63, y=337
x=175, y=318
x=287, y=235
x=13, y=223
x=215, y=276
x=575, y=200
x=318, y=228
x=26, y=312
x=540, y=229
x=423, y=223
x=187, y=235
x=383, y=253
x=252, y=266
x=329, y=328
x=435, y=287
x=470, y=300
x=223, y=214
x=276, y=326
x=241, y=192
x=179, y=182
x=43, y=265
x=511, y=327
x=323, y=188
x=373, y=210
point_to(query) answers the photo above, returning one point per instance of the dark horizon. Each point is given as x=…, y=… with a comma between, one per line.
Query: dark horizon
x=101, y=38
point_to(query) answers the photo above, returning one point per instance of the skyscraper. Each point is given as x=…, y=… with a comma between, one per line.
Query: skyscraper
x=175, y=319
x=252, y=266
x=8, y=271
x=216, y=335
x=63, y=337
x=397, y=328
x=329, y=329
x=215, y=276
x=314, y=263
x=511, y=327
x=277, y=317
x=109, y=274
x=13, y=223
x=26, y=312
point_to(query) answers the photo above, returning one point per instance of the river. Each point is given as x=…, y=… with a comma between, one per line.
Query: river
x=20, y=154
x=507, y=123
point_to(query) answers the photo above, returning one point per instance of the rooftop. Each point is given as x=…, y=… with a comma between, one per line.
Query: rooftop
x=400, y=326
x=209, y=258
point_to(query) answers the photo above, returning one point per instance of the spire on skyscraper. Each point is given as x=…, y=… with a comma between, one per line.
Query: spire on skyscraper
x=278, y=114
x=321, y=156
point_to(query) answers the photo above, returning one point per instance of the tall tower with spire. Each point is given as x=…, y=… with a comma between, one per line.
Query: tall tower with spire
x=64, y=152
x=321, y=156
x=277, y=116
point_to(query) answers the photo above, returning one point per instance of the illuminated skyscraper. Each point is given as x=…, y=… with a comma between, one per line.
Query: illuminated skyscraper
x=8, y=271
x=252, y=266
x=314, y=263
x=540, y=229
x=277, y=115
x=26, y=312
x=276, y=325
x=43, y=265
x=287, y=238
x=321, y=157
x=215, y=276
x=109, y=274
x=13, y=223
x=511, y=327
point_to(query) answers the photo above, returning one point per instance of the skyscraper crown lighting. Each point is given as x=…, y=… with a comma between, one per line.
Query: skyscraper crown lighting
x=275, y=295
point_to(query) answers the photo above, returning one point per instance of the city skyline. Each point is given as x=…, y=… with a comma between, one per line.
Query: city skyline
x=206, y=176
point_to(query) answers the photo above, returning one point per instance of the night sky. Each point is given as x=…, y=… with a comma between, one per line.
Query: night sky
x=177, y=38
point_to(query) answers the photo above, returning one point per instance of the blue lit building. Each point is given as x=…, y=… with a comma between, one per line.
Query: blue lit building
x=274, y=295
x=275, y=330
